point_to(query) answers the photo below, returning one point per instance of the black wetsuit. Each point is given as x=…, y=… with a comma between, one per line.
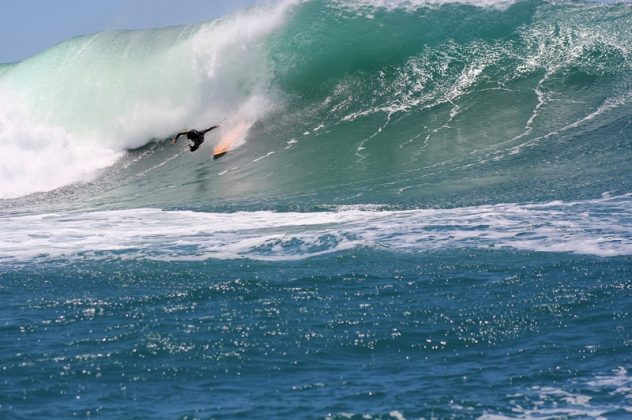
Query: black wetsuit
x=197, y=137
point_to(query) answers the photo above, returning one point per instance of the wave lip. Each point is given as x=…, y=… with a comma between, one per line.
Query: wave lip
x=601, y=227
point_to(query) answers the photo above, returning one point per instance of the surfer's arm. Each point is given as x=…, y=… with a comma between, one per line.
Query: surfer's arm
x=210, y=128
x=183, y=133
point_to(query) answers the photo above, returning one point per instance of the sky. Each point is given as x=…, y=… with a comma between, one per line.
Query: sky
x=28, y=27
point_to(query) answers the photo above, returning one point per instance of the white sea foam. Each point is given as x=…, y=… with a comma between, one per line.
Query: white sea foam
x=600, y=227
x=618, y=382
x=556, y=402
x=366, y=6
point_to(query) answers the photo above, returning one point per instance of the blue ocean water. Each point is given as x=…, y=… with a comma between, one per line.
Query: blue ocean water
x=430, y=216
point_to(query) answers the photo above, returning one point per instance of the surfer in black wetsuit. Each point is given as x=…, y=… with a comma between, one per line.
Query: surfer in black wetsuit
x=197, y=137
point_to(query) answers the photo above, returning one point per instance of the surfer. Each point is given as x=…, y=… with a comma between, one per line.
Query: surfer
x=197, y=137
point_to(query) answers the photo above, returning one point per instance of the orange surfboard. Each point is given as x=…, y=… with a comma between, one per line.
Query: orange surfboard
x=227, y=141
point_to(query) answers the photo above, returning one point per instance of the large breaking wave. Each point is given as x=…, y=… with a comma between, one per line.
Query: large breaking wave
x=412, y=101
x=77, y=107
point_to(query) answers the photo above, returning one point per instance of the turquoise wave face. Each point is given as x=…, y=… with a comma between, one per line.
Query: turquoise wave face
x=458, y=104
x=407, y=105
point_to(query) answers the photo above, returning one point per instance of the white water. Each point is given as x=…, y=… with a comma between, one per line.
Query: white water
x=411, y=5
x=574, y=400
x=601, y=227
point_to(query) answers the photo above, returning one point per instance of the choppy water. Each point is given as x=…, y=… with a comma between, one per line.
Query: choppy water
x=431, y=216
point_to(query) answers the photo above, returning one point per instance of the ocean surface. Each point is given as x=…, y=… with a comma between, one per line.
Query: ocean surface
x=430, y=216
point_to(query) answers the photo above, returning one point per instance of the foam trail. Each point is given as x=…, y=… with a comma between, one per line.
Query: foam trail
x=600, y=227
